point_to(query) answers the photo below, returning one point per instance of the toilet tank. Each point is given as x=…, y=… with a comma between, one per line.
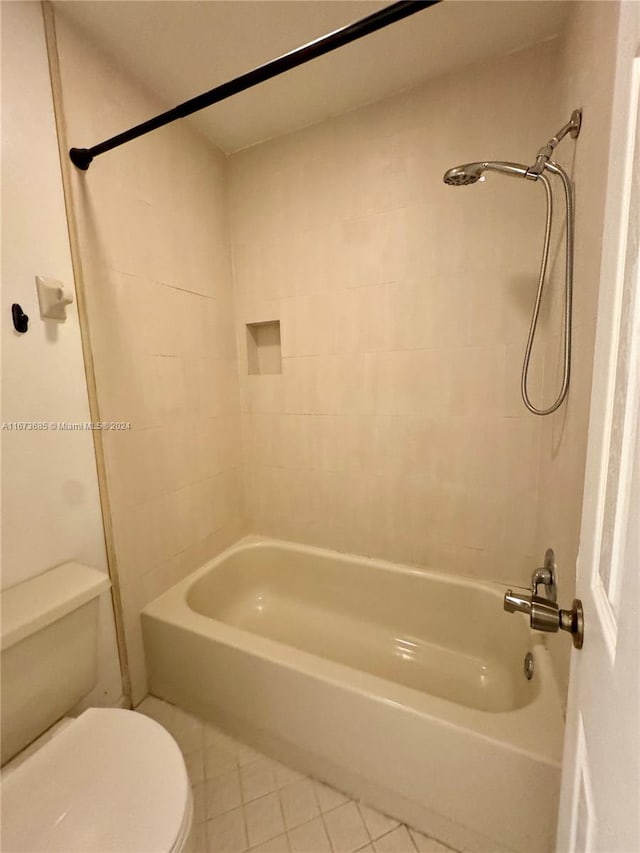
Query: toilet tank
x=49, y=650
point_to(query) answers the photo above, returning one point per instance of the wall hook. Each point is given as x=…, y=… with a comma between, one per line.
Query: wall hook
x=20, y=319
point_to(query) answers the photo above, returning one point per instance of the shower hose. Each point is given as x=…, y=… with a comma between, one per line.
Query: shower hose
x=568, y=292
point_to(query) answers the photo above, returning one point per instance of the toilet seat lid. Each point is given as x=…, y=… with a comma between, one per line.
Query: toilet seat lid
x=112, y=781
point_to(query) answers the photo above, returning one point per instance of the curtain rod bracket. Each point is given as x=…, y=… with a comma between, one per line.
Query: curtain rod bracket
x=81, y=158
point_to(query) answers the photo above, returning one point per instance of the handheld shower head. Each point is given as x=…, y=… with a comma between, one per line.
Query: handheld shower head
x=462, y=176
x=469, y=173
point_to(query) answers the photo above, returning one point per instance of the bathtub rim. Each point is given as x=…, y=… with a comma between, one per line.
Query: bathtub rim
x=535, y=730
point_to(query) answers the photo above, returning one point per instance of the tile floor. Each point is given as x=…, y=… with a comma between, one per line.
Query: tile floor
x=245, y=801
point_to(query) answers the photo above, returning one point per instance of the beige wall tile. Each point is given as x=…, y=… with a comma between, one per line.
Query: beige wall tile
x=587, y=81
x=156, y=266
x=396, y=428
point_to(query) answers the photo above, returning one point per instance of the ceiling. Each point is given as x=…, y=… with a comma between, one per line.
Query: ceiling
x=180, y=48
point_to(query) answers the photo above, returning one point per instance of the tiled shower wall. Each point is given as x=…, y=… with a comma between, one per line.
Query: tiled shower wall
x=395, y=428
x=156, y=272
x=585, y=79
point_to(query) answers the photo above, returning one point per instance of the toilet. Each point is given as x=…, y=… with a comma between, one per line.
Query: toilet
x=106, y=781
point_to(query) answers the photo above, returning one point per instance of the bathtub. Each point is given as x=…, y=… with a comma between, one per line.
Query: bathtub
x=402, y=687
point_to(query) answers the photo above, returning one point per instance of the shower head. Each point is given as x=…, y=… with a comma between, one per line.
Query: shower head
x=460, y=176
x=469, y=173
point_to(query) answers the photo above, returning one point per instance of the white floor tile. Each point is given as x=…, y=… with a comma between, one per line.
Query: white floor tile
x=189, y=741
x=258, y=779
x=275, y=845
x=233, y=773
x=183, y=720
x=199, y=803
x=264, y=819
x=215, y=737
x=346, y=828
x=226, y=833
x=161, y=712
x=299, y=803
x=426, y=844
x=223, y=793
x=247, y=754
x=187, y=730
x=195, y=766
x=285, y=775
x=329, y=798
x=219, y=759
x=377, y=824
x=398, y=841
x=199, y=838
x=310, y=838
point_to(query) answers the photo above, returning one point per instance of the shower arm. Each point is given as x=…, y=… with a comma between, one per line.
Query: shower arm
x=572, y=127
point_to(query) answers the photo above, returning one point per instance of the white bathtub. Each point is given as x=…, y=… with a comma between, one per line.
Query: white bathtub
x=402, y=687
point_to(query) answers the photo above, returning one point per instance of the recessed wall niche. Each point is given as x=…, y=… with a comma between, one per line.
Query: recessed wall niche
x=264, y=354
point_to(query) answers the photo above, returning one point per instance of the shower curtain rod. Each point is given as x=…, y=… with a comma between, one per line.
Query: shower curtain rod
x=82, y=157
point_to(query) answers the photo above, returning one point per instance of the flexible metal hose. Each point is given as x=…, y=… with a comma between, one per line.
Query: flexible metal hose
x=568, y=295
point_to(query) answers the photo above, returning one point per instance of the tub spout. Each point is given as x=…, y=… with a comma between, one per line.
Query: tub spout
x=543, y=615
x=517, y=601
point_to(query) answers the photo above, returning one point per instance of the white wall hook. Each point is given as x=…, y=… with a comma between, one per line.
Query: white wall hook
x=53, y=298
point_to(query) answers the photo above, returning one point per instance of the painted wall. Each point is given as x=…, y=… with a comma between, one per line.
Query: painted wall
x=396, y=428
x=152, y=229
x=50, y=502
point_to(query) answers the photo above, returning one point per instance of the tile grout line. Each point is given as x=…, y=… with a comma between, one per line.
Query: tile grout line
x=322, y=814
x=327, y=833
x=284, y=823
x=364, y=823
x=244, y=814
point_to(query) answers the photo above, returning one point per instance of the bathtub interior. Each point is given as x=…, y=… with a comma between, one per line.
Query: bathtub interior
x=442, y=637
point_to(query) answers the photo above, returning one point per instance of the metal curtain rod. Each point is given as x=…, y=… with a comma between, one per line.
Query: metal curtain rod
x=82, y=157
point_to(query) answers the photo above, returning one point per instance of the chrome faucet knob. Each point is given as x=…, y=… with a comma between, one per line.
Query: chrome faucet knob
x=573, y=622
x=546, y=576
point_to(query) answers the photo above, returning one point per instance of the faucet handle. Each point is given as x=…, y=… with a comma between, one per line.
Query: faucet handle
x=573, y=622
x=546, y=576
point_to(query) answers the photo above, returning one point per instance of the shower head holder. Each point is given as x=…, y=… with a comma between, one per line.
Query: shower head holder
x=572, y=127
